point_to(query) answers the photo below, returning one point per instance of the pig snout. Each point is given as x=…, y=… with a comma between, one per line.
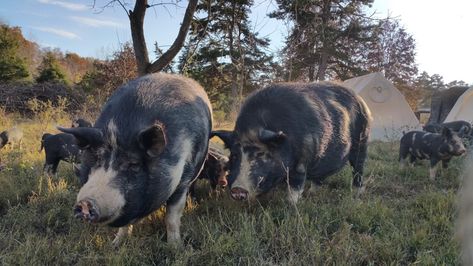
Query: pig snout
x=222, y=181
x=86, y=210
x=238, y=193
x=461, y=151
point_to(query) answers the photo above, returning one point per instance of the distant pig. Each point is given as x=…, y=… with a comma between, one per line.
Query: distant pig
x=462, y=128
x=145, y=149
x=81, y=123
x=215, y=170
x=431, y=146
x=59, y=147
x=288, y=133
x=11, y=137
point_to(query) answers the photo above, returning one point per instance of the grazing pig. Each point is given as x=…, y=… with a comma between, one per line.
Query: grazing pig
x=59, y=147
x=81, y=123
x=145, y=149
x=293, y=132
x=432, y=146
x=11, y=136
x=215, y=170
x=462, y=128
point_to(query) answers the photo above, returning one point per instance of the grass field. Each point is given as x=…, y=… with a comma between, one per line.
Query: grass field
x=403, y=218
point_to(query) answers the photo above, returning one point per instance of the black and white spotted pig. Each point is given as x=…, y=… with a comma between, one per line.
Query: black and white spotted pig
x=147, y=146
x=215, y=170
x=58, y=147
x=81, y=123
x=12, y=136
x=419, y=145
x=293, y=132
x=462, y=128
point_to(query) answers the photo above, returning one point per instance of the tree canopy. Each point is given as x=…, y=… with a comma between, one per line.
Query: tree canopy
x=12, y=66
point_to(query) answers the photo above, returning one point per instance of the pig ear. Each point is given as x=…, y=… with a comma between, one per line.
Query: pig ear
x=447, y=133
x=153, y=140
x=225, y=135
x=86, y=137
x=271, y=137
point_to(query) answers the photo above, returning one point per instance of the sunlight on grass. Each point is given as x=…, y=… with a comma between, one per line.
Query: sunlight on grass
x=403, y=218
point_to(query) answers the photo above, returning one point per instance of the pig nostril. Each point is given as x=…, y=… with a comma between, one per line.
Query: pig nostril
x=223, y=182
x=78, y=212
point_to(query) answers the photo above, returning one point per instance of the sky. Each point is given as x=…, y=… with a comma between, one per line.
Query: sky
x=442, y=29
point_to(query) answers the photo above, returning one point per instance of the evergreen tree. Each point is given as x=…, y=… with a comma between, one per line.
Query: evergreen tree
x=327, y=39
x=223, y=53
x=392, y=53
x=12, y=67
x=50, y=71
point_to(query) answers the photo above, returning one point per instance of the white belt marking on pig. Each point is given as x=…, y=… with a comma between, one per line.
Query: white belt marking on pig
x=185, y=155
x=173, y=220
x=100, y=188
x=112, y=133
x=243, y=178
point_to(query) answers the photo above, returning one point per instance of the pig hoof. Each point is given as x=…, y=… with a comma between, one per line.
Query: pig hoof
x=294, y=195
x=360, y=191
x=116, y=242
x=174, y=241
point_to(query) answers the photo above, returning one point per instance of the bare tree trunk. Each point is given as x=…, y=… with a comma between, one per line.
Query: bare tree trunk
x=311, y=73
x=137, y=17
x=323, y=59
x=139, y=44
x=235, y=102
x=322, y=67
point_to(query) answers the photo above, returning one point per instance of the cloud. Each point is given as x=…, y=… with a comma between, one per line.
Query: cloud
x=67, y=5
x=58, y=32
x=97, y=23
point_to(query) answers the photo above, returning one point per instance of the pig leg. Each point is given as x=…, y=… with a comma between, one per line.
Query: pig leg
x=47, y=168
x=403, y=153
x=296, y=183
x=412, y=160
x=54, y=167
x=357, y=159
x=445, y=163
x=122, y=233
x=314, y=187
x=433, y=168
x=174, y=209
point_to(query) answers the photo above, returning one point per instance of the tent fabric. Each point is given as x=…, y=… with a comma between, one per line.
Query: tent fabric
x=391, y=113
x=463, y=108
x=443, y=102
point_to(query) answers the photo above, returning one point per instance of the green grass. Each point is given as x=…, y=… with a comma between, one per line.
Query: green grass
x=403, y=218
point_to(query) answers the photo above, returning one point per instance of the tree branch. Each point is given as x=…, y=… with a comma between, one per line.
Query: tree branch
x=137, y=17
x=167, y=57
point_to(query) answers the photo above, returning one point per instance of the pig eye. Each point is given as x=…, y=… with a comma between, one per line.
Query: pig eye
x=135, y=167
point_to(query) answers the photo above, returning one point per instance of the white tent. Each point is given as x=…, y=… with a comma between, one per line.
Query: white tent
x=391, y=113
x=463, y=108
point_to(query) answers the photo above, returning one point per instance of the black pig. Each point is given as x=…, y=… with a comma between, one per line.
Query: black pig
x=293, y=132
x=215, y=170
x=145, y=149
x=59, y=147
x=462, y=128
x=431, y=146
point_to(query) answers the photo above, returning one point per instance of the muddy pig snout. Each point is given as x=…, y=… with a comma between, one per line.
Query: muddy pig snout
x=86, y=210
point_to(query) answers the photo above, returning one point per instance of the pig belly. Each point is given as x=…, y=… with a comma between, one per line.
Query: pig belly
x=326, y=167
